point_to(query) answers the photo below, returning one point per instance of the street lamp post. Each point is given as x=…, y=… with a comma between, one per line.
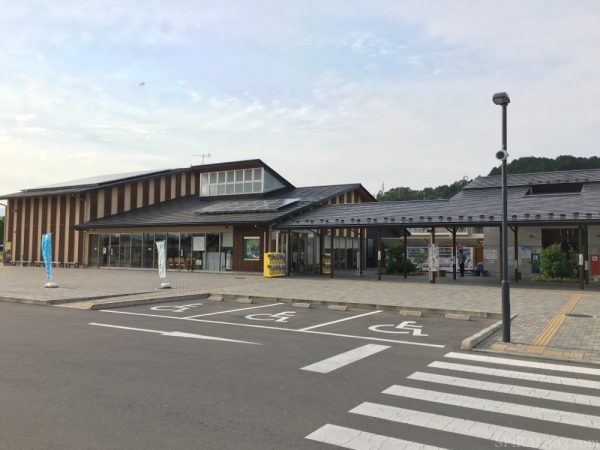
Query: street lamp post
x=502, y=99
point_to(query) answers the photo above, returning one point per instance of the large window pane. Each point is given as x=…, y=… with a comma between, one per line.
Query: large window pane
x=248, y=175
x=230, y=189
x=213, y=189
x=204, y=179
x=213, y=177
x=205, y=191
x=94, y=250
x=148, y=242
x=185, y=251
x=113, y=255
x=136, y=250
x=247, y=188
x=173, y=251
x=221, y=189
x=239, y=188
x=257, y=174
x=256, y=186
x=239, y=175
x=125, y=250
x=104, y=249
x=230, y=177
x=221, y=177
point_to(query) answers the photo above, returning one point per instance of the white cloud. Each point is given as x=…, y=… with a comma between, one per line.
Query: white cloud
x=324, y=92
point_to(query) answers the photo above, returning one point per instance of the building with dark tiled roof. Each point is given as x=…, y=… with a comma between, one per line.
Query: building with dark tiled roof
x=212, y=217
x=226, y=216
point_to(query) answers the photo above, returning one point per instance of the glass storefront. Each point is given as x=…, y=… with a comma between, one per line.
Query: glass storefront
x=185, y=251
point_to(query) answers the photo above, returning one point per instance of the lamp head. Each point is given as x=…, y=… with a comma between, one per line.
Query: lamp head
x=501, y=98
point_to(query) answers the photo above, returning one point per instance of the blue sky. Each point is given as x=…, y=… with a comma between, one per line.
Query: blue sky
x=394, y=92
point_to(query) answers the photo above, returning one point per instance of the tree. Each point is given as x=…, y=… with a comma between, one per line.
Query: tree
x=530, y=164
x=406, y=193
x=395, y=262
x=555, y=263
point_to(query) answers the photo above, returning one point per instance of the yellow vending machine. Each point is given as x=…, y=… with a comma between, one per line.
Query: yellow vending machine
x=274, y=265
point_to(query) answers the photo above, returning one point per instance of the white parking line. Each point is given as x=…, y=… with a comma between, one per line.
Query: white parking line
x=522, y=363
x=266, y=327
x=338, y=321
x=232, y=310
x=343, y=359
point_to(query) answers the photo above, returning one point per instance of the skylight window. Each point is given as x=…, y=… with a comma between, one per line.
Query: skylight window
x=555, y=188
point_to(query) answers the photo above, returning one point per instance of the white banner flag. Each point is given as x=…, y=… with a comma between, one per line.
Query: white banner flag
x=162, y=259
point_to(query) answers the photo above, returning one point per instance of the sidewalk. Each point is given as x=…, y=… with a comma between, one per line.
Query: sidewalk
x=557, y=321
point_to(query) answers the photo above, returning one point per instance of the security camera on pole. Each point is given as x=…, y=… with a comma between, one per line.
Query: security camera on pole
x=503, y=100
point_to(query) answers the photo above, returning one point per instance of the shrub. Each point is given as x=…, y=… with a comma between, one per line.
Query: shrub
x=395, y=262
x=554, y=263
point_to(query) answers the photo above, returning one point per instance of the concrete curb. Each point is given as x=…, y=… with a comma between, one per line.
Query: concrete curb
x=536, y=356
x=147, y=301
x=60, y=301
x=474, y=340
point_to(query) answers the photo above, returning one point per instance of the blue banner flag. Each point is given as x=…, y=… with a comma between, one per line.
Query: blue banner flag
x=47, y=254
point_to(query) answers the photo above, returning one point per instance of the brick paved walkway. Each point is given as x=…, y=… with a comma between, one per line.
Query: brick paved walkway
x=535, y=304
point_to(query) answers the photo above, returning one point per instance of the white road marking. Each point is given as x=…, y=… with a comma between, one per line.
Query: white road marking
x=498, y=407
x=517, y=375
x=362, y=440
x=282, y=316
x=471, y=428
x=266, y=327
x=230, y=310
x=343, y=359
x=175, y=308
x=544, y=394
x=174, y=333
x=406, y=327
x=340, y=320
x=522, y=363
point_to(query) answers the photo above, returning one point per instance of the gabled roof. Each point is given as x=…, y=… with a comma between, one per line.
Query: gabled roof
x=86, y=184
x=537, y=178
x=232, y=165
x=184, y=211
x=471, y=207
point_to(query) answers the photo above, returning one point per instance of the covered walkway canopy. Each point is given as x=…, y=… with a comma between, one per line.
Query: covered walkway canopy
x=549, y=199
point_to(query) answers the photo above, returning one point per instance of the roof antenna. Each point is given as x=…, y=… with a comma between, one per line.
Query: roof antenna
x=203, y=155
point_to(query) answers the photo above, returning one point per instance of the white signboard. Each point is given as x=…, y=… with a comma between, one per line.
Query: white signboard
x=490, y=254
x=198, y=243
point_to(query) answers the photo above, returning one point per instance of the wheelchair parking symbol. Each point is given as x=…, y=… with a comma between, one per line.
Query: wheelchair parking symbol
x=283, y=316
x=175, y=308
x=405, y=327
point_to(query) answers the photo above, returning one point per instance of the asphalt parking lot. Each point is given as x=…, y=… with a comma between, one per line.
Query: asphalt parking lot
x=235, y=319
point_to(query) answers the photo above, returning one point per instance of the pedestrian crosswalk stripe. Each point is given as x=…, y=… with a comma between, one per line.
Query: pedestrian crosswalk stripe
x=523, y=363
x=343, y=359
x=517, y=375
x=498, y=407
x=496, y=433
x=362, y=440
x=543, y=394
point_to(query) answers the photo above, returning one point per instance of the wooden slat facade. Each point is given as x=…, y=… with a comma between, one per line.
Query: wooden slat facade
x=30, y=217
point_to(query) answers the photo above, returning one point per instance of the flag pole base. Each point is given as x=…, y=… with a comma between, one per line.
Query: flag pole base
x=165, y=285
x=51, y=284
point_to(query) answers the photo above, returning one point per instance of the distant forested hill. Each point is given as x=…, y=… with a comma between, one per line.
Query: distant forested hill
x=527, y=164
x=530, y=164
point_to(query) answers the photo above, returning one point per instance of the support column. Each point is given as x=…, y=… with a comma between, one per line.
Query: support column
x=360, y=251
x=500, y=252
x=321, y=250
x=454, y=253
x=405, y=252
x=379, y=254
x=332, y=255
x=431, y=273
x=580, y=258
x=516, y=231
x=586, y=256
x=289, y=253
